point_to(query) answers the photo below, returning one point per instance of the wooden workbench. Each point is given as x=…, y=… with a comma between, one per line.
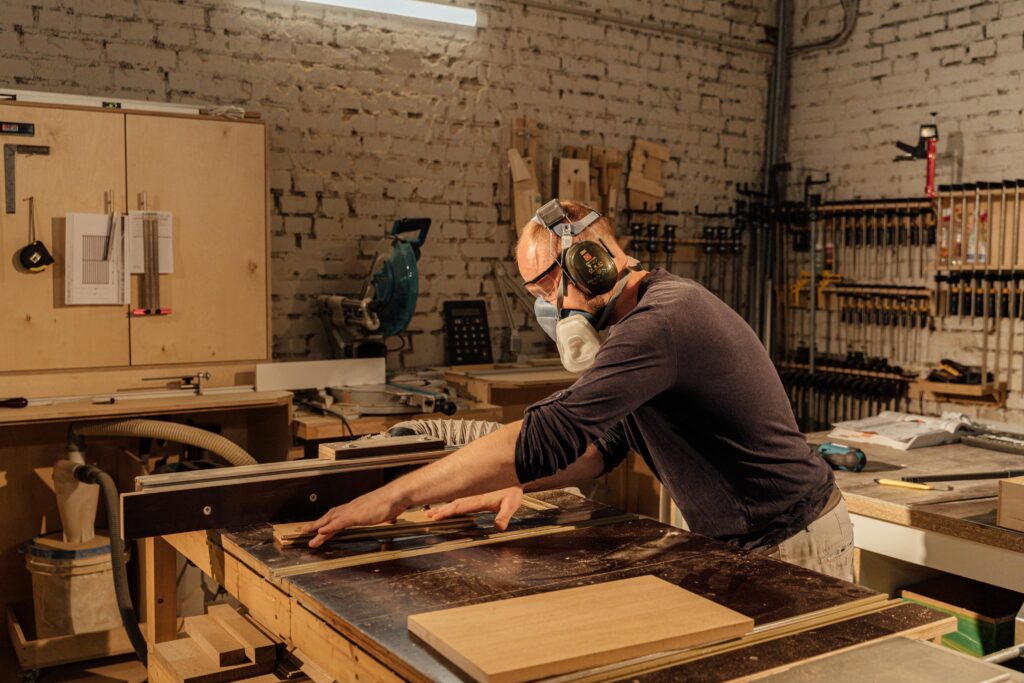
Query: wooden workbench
x=346, y=608
x=948, y=530
x=512, y=386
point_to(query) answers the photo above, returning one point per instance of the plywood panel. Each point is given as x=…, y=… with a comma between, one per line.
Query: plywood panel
x=86, y=159
x=561, y=631
x=210, y=174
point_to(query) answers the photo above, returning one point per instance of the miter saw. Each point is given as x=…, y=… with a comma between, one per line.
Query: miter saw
x=357, y=326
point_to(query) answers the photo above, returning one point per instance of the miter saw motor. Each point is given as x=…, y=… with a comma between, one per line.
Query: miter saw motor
x=357, y=325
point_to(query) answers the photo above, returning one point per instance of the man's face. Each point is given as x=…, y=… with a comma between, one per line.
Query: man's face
x=535, y=257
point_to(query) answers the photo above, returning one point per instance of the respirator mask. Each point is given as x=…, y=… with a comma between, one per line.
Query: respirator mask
x=590, y=266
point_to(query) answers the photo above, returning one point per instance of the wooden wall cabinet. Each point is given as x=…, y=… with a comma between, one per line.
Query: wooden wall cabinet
x=210, y=173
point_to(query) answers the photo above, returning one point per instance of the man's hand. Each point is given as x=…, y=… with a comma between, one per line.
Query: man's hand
x=505, y=502
x=371, y=508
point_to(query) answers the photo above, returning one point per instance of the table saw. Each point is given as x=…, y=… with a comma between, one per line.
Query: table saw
x=345, y=607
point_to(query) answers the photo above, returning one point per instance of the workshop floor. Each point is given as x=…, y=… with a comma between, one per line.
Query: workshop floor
x=125, y=669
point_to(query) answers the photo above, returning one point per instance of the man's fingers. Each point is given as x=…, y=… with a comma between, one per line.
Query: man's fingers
x=320, y=539
x=313, y=526
x=509, y=505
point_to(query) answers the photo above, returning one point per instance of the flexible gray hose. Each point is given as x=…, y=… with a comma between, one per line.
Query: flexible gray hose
x=169, y=431
x=94, y=475
x=453, y=432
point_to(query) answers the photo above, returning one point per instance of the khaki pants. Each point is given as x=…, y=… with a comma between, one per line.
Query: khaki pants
x=825, y=546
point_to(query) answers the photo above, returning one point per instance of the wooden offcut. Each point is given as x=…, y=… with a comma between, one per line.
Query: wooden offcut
x=410, y=522
x=553, y=633
x=184, y=661
x=215, y=641
x=1010, y=510
x=258, y=647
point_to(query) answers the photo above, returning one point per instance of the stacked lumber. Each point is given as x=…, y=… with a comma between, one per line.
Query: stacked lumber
x=409, y=522
x=218, y=647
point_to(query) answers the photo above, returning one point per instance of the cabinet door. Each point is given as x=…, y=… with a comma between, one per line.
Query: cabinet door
x=210, y=175
x=86, y=159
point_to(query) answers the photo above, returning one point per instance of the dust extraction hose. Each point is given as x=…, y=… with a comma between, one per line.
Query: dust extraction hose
x=452, y=432
x=169, y=431
x=152, y=429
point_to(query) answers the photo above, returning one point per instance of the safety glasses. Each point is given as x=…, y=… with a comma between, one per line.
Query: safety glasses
x=545, y=285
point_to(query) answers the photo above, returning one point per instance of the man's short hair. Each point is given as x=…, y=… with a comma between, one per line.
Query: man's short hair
x=601, y=228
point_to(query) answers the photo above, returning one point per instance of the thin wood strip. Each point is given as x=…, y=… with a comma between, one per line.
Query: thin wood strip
x=291, y=534
x=930, y=631
x=498, y=537
x=760, y=634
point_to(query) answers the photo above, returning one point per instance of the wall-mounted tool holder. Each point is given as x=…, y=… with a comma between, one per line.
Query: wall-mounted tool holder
x=980, y=268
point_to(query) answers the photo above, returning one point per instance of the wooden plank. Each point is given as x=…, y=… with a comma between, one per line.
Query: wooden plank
x=595, y=625
x=1010, y=504
x=185, y=403
x=200, y=551
x=215, y=641
x=48, y=652
x=778, y=645
x=258, y=648
x=444, y=546
x=409, y=522
x=158, y=565
x=184, y=661
x=86, y=160
x=334, y=653
x=574, y=180
x=211, y=175
x=268, y=605
x=362, y=448
x=83, y=381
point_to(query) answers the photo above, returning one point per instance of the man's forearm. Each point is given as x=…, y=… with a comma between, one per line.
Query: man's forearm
x=588, y=466
x=486, y=464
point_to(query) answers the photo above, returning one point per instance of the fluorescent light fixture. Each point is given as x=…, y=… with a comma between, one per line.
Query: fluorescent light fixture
x=417, y=9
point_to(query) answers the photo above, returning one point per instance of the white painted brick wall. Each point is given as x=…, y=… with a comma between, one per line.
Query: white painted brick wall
x=906, y=59
x=373, y=118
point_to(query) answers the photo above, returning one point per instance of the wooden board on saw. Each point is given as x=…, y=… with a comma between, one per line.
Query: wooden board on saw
x=566, y=630
x=409, y=522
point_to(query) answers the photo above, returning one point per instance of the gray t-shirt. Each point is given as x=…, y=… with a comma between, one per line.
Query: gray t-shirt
x=684, y=381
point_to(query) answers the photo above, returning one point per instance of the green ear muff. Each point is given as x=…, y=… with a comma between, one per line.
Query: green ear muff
x=591, y=267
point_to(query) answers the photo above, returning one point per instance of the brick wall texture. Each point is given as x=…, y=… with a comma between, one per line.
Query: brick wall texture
x=962, y=59
x=374, y=117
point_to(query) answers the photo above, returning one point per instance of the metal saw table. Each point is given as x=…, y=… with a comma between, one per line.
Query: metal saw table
x=345, y=608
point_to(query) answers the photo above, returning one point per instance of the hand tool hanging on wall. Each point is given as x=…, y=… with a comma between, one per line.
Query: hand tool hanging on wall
x=926, y=148
x=10, y=152
x=34, y=256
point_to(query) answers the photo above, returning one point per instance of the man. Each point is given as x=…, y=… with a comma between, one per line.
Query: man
x=681, y=379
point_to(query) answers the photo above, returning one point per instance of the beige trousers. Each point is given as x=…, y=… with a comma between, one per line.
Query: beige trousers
x=826, y=546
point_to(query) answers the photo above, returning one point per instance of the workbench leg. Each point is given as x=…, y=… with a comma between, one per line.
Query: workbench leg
x=159, y=588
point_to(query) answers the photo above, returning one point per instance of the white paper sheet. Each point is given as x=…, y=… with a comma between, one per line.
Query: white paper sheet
x=90, y=277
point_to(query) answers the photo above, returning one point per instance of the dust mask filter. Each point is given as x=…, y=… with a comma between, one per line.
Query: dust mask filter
x=577, y=341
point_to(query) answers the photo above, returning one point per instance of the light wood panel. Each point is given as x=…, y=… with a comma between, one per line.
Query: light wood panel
x=561, y=631
x=210, y=174
x=86, y=159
